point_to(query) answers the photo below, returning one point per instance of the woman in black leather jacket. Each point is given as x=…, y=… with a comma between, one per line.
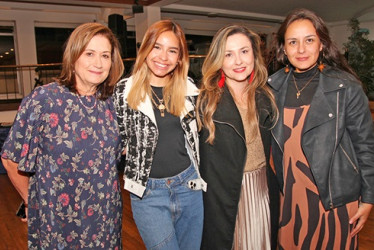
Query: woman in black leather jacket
x=323, y=143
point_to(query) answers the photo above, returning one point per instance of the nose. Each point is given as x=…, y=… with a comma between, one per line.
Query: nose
x=238, y=59
x=98, y=63
x=301, y=48
x=163, y=55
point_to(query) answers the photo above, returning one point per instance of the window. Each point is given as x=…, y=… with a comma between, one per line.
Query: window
x=50, y=43
x=7, y=50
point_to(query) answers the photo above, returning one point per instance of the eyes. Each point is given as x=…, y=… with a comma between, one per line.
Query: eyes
x=105, y=55
x=174, y=51
x=242, y=52
x=308, y=41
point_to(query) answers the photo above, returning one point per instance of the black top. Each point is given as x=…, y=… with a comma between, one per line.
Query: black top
x=301, y=79
x=171, y=156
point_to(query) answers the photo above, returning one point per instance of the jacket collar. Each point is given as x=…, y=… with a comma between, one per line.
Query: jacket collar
x=336, y=79
x=227, y=112
x=320, y=110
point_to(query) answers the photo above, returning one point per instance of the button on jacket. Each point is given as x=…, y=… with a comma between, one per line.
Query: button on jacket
x=337, y=138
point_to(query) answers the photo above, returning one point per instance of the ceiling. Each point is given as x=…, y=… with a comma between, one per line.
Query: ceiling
x=266, y=10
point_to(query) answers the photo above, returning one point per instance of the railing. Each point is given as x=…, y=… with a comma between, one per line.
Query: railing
x=17, y=81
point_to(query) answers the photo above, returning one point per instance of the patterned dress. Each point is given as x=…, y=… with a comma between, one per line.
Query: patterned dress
x=304, y=223
x=70, y=146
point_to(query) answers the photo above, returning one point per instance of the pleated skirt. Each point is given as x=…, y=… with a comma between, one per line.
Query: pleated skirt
x=252, y=229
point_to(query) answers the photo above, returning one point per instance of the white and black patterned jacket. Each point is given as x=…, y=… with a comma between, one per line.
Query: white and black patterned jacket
x=138, y=129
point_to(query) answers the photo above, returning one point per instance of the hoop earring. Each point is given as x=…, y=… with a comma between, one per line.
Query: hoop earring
x=221, y=82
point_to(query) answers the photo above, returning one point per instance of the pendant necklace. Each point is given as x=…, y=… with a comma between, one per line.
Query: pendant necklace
x=298, y=93
x=160, y=104
x=93, y=106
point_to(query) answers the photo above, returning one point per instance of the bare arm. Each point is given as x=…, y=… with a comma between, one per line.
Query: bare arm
x=19, y=179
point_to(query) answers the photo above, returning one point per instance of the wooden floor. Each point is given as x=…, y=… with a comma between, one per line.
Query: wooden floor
x=13, y=233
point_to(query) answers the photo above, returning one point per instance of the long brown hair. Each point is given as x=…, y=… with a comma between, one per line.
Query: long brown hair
x=210, y=94
x=175, y=89
x=330, y=54
x=74, y=48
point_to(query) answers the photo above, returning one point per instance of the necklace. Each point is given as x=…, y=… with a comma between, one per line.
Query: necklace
x=161, y=105
x=93, y=106
x=299, y=90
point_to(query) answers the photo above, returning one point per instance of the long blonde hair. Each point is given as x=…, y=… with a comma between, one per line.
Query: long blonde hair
x=211, y=94
x=175, y=89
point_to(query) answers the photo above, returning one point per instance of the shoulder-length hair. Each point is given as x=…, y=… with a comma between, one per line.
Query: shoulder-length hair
x=330, y=54
x=74, y=48
x=175, y=89
x=211, y=94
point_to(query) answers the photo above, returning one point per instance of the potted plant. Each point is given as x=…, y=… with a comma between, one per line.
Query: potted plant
x=360, y=56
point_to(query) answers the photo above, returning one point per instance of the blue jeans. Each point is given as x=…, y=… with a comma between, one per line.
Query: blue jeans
x=170, y=214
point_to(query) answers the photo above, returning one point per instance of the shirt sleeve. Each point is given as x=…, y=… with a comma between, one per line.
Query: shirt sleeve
x=120, y=106
x=22, y=143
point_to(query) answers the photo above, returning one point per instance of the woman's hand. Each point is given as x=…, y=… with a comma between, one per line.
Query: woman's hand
x=27, y=213
x=360, y=217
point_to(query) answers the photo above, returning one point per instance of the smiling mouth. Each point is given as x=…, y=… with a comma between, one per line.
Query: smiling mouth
x=161, y=65
x=96, y=72
x=239, y=70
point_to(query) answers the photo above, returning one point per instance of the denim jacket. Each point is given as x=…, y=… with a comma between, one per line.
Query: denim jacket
x=139, y=133
x=337, y=138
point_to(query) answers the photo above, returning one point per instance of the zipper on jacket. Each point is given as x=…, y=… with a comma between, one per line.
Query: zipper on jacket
x=246, y=152
x=349, y=159
x=226, y=123
x=280, y=148
x=336, y=142
x=275, y=139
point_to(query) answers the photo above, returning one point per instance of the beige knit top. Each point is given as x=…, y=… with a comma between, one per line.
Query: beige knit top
x=255, y=149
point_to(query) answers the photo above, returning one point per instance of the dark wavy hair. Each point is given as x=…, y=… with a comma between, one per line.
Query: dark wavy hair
x=330, y=54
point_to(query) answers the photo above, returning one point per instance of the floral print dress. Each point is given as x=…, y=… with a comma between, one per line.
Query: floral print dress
x=70, y=146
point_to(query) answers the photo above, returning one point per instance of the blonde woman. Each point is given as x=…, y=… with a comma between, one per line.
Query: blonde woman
x=156, y=114
x=236, y=111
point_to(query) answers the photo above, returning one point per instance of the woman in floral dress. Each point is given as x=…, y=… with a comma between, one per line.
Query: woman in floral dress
x=62, y=150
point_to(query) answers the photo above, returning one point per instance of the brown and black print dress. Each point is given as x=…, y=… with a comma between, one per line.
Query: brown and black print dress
x=304, y=223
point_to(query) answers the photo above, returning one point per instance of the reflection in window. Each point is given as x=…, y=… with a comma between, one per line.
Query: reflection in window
x=7, y=51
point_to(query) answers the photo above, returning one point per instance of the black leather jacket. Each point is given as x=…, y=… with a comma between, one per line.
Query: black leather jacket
x=337, y=139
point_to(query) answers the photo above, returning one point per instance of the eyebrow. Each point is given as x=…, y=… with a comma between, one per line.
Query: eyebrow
x=308, y=36
x=106, y=51
x=177, y=48
x=245, y=47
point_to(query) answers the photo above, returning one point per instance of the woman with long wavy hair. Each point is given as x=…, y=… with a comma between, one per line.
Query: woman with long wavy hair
x=236, y=111
x=156, y=114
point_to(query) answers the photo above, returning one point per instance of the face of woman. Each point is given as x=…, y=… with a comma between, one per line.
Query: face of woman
x=163, y=58
x=302, y=45
x=239, y=60
x=93, y=65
